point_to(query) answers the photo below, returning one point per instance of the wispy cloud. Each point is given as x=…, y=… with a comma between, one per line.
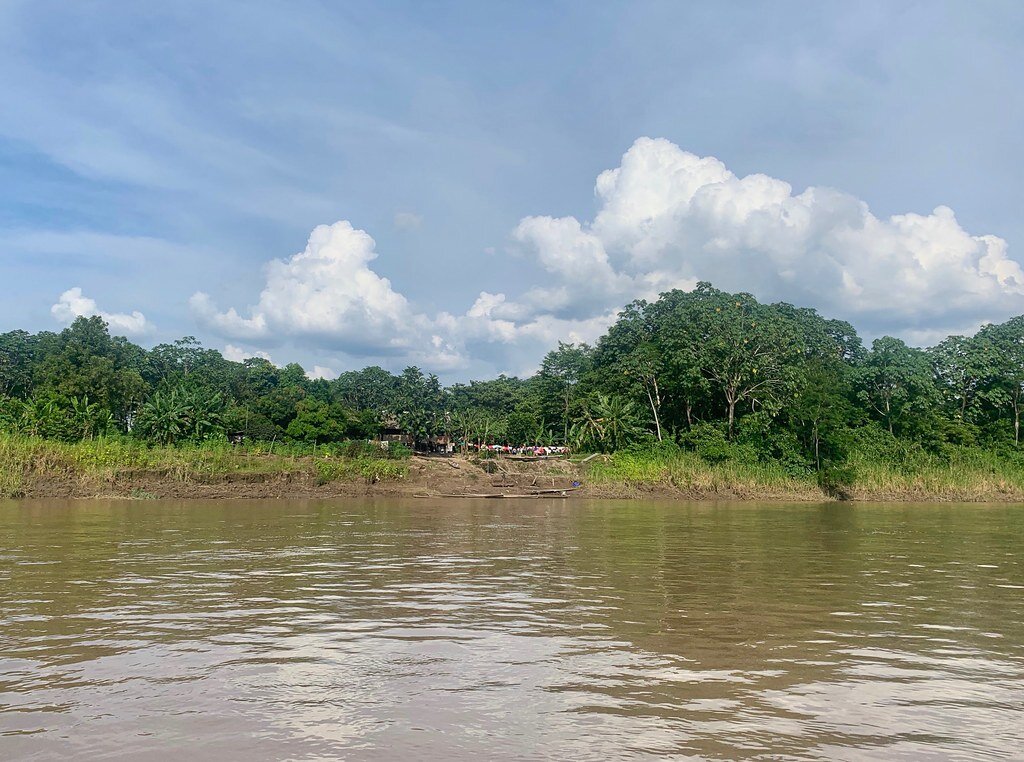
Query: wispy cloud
x=408, y=220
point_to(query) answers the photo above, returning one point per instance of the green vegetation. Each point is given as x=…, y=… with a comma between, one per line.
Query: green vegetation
x=688, y=472
x=102, y=461
x=697, y=390
x=964, y=474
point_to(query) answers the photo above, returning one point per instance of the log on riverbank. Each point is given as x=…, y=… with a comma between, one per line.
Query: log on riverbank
x=500, y=496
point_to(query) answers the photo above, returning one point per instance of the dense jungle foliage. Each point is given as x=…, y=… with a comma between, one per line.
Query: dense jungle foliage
x=706, y=371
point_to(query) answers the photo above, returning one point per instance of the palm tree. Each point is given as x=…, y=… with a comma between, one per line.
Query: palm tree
x=163, y=418
x=170, y=416
x=86, y=416
x=608, y=423
x=619, y=419
x=37, y=413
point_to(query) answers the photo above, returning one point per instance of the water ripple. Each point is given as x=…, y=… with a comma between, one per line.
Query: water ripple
x=561, y=630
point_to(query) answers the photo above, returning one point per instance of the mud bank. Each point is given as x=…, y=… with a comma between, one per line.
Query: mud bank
x=451, y=477
x=424, y=476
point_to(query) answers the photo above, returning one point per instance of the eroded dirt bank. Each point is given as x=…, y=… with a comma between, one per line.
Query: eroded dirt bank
x=439, y=477
x=427, y=476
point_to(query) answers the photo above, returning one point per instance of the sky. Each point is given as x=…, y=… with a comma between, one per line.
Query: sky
x=460, y=186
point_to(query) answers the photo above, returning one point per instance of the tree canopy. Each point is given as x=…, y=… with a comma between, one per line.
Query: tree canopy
x=704, y=369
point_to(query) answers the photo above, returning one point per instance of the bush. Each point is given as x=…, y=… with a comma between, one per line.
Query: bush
x=710, y=442
x=251, y=425
x=370, y=470
x=759, y=433
x=668, y=465
x=836, y=480
x=357, y=448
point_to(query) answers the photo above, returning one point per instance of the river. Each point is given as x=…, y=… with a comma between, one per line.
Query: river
x=568, y=629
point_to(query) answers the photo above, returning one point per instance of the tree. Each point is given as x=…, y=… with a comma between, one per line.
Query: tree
x=83, y=360
x=420, y=405
x=961, y=366
x=1003, y=352
x=17, y=354
x=821, y=410
x=293, y=375
x=731, y=345
x=560, y=373
x=372, y=388
x=316, y=423
x=88, y=419
x=174, y=362
x=894, y=382
x=249, y=424
x=631, y=355
x=499, y=395
x=260, y=377
x=164, y=418
x=279, y=405
x=608, y=423
x=179, y=414
x=520, y=428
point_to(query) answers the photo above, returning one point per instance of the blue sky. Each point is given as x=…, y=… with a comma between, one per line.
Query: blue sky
x=156, y=161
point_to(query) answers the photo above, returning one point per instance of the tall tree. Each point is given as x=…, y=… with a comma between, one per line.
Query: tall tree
x=631, y=361
x=961, y=365
x=744, y=351
x=560, y=374
x=17, y=355
x=1004, y=388
x=896, y=381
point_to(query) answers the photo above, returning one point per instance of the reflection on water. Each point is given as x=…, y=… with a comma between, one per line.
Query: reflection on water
x=570, y=630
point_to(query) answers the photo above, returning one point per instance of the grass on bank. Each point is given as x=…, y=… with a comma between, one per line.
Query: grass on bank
x=689, y=472
x=105, y=460
x=909, y=473
x=965, y=474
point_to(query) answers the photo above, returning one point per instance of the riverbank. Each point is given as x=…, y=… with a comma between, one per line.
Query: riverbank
x=122, y=468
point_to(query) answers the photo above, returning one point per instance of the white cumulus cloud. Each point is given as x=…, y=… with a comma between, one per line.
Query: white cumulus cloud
x=668, y=218
x=319, y=371
x=665, y=219
x=326, y=294
x=329, y=297
x=73, y=303
x=238, y=354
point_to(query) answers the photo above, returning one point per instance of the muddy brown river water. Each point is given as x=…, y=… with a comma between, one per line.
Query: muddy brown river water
x=567, y=629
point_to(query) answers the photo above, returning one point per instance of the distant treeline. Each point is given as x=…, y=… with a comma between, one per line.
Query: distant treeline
x=705, y=370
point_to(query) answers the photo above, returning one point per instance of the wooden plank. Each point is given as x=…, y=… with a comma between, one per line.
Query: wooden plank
x=550, y=494
x=556, y=489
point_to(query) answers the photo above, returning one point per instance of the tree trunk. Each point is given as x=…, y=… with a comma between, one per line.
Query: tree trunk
x=654, y=409
x=732, y=413
x=565, y=438
x=657, y=396
x=817, y=454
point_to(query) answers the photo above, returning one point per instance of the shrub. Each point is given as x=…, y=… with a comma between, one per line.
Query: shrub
x=370, y=470
x=710, y=442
